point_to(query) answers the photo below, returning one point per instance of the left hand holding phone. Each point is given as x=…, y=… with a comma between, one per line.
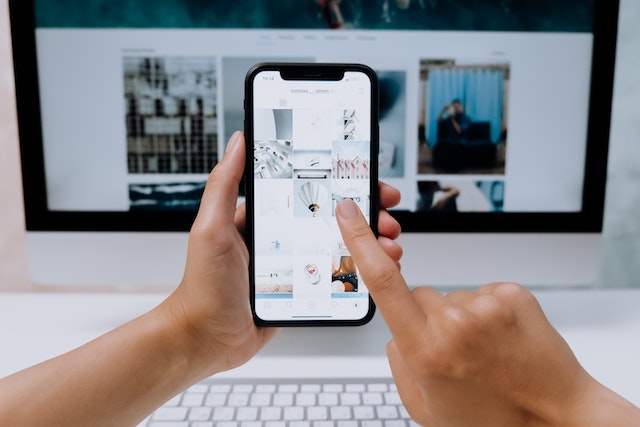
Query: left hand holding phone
x=211, y=303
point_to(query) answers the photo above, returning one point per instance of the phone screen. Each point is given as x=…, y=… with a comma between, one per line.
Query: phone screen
x=312, y=142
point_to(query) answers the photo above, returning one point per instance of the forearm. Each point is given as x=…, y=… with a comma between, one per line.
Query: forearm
x=601, y=407
x=116, y=379
x=456, y=126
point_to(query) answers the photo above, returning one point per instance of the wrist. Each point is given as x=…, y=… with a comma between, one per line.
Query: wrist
x=183, y=343
x=599, y=406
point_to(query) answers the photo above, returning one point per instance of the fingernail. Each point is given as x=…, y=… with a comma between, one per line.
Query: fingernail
x=347, y=209
x=233, y=141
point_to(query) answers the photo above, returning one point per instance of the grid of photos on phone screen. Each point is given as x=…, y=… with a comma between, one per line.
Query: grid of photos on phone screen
x=305, y=162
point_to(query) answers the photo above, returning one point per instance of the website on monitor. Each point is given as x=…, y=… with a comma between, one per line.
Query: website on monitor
x=471, y=121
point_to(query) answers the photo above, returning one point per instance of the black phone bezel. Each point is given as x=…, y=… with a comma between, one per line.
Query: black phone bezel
x=310, y=72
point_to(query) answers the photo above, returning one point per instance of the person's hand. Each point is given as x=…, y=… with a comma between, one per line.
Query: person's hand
x=212, y=302
x=485, y=358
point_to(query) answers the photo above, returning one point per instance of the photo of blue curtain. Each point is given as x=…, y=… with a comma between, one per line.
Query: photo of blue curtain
x=481, y=91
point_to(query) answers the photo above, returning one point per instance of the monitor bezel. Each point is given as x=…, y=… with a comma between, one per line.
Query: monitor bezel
x=590, y=219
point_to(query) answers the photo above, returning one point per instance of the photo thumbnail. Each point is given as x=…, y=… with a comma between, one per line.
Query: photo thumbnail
x=272, y=149
x=171, y=114
x=463, y=117
x=461, y=196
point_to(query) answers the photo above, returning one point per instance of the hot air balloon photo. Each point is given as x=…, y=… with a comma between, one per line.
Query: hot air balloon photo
x=314, y=199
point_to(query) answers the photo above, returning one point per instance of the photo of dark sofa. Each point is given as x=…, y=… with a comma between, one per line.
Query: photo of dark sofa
x=471, y=149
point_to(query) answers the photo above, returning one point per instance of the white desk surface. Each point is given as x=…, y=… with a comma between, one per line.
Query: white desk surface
x=602, y=327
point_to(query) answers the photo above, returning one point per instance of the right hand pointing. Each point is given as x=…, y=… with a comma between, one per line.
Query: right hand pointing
x=485, y=358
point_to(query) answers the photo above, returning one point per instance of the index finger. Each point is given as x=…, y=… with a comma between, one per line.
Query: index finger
x=389, y=196
x=381, y=276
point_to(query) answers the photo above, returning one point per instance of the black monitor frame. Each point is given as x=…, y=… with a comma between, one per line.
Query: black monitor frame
x=589, y=219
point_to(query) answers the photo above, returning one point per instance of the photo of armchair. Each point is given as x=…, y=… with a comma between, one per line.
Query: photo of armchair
x=473, y=148
x=463, y=117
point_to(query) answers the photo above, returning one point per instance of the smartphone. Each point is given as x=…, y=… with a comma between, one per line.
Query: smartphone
x=312, y=140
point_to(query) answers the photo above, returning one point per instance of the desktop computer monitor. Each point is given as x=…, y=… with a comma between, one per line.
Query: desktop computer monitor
x=494, y=124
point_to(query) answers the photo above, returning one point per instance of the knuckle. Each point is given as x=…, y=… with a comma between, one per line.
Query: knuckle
x=493, y=313
x=511, y=292
x=357, y=236
x=420, y=293
x=383, y=276
x=458, y=321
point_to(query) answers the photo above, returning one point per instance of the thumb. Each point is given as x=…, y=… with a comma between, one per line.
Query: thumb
x=221, y=191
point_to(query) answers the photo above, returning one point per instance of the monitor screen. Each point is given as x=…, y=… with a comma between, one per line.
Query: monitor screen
x=494, y=114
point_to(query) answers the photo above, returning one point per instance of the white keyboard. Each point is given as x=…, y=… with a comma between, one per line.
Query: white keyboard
x=285, y=403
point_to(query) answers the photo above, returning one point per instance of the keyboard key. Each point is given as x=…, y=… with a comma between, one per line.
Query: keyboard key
x=192, y=399
x=372, y=398
x=395, y=423
x=392, y=398
x=363, y=413
x=265, y=388
x=251, y=424
x=328, y=399
x=386, y=412
x=198, y=388
x=323, y=424
x=223, y=413
x=299, y=424
x=288, y=388
x=371, y=423
x=293, y=413
x=305, y=399
x=283, y=399
x=310, y=388
x=270, y=413
x=203, y=424
x=275, y=424
x=260, y=399
x=350, y=399
x=238, y=399
x=317, y=413
x=201, y=413
x=220, y=388
x=249, y=413
x=215, y=399
x=170, y=413
x=377, y=387
x=227, y=424
x=355, y=388
x=350, y=423
x=333, y=388
x=340, y=413
x=243, y=388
